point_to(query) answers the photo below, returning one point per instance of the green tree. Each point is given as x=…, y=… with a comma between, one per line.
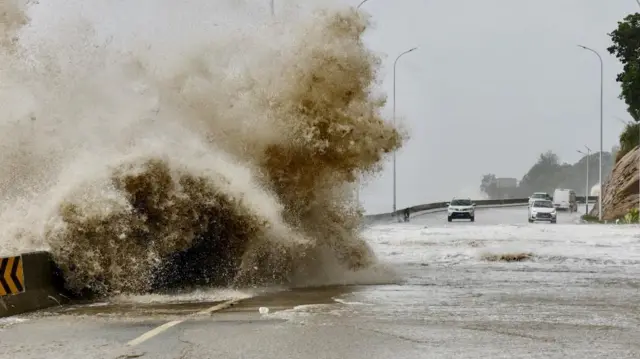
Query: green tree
x=626, y=48
x=543, y=176
x=628, y=140
x=489, y=185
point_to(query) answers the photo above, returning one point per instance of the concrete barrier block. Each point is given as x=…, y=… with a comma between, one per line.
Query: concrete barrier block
x=31, y=281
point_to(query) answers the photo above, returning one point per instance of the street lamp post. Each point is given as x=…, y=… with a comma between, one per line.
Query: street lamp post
x=361, y=3
x=601, y=128
x=586, y=192
x=273, y=8
x=394, y=122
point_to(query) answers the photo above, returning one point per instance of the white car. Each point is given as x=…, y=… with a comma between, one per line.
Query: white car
x=461, y=208
x=539, y=195
x=542, y=210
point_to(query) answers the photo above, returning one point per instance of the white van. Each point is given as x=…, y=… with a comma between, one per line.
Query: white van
x=565, y=199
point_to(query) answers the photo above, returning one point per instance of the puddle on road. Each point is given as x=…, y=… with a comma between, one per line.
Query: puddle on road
x=293, y=298
x=273, y=300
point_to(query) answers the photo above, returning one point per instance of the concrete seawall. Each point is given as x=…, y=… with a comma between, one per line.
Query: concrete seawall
x=30, y=282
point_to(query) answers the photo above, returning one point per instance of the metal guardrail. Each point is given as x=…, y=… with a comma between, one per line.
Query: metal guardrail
x=372, y=218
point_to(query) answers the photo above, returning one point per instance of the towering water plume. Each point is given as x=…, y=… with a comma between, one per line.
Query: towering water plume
x=150, y=146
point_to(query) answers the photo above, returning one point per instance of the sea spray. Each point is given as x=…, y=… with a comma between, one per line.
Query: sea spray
x=201, y=156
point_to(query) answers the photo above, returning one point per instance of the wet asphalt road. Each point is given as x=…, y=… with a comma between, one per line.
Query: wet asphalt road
x=575, y=296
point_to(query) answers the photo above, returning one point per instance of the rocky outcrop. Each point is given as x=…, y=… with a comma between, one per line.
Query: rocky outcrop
x=621, y=189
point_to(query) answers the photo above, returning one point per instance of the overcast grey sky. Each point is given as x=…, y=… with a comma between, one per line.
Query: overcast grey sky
x=493, y=84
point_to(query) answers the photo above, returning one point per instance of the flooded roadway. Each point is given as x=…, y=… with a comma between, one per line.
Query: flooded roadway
x=574, y=293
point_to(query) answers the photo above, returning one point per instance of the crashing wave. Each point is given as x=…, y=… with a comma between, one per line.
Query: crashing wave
x=144, y=169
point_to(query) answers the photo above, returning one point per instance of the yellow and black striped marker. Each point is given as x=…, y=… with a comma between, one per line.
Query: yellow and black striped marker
x=11, y=276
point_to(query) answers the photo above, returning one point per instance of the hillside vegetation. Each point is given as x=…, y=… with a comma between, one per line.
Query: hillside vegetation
x=625, y=47
x=548, y=173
